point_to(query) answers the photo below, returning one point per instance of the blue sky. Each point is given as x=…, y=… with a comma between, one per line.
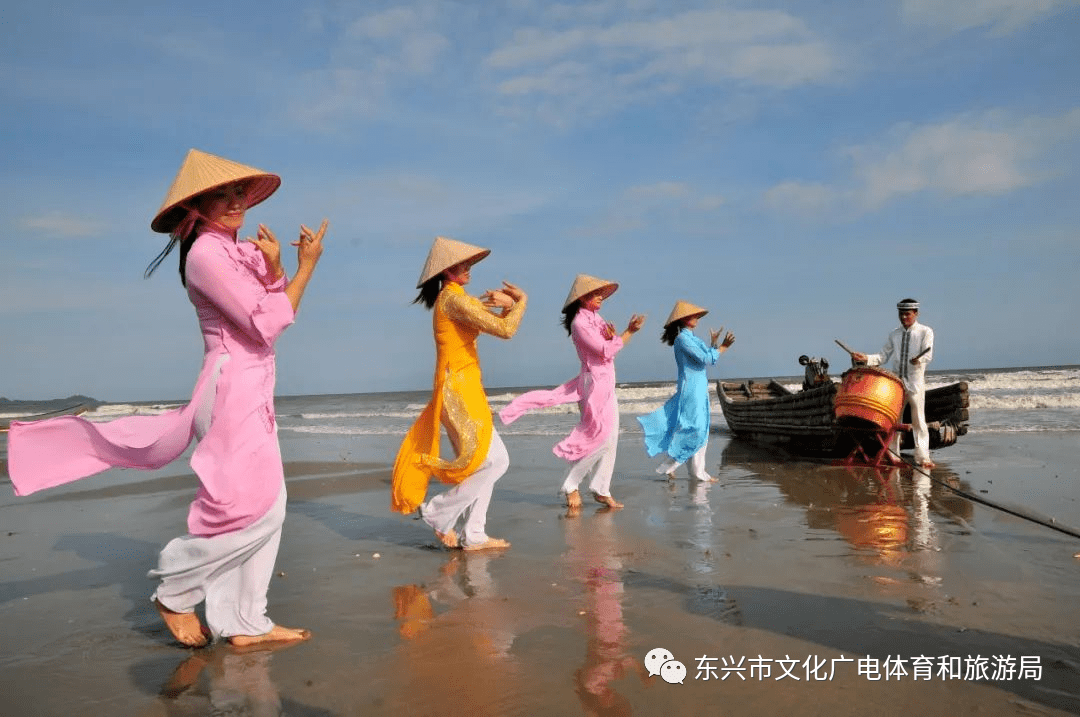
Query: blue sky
x=796, y=167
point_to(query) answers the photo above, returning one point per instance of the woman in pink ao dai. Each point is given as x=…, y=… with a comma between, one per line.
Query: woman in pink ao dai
x=244, y=302
x=591, y=446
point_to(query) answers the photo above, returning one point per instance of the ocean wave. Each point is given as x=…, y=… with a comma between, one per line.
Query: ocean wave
x=503, y=397
x=645, y=393
x=375, y=413
x=354, y=430
x=1045, y=380
x=109, y=411
x=622, y=392
x=1026, y=428
x=1025, y=402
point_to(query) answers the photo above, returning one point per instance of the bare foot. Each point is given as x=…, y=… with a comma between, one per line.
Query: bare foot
x=489, y=544
x=927, y=463
x=573, y=511
x=277, y=634
x=606, y=500
x=573, y=499
x=448, y=539
x=184, y=626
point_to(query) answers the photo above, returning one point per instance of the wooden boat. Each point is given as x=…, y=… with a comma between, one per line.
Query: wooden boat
x=5, y=423
x=805, y=421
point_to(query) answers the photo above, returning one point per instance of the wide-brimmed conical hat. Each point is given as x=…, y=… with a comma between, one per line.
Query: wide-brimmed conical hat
x=585, y=284
x=202, y=172
x=684, y=310
x=445, y=253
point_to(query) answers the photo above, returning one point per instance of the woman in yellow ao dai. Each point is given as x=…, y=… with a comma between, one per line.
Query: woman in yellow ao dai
x=458, y=402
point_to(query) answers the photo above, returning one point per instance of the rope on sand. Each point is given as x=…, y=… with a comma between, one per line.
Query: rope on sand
x=1046, y=522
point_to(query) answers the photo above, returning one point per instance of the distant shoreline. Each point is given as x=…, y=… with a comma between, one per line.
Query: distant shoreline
x=7, y=404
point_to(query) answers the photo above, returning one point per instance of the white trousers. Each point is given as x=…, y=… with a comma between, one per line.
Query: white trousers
x=919, y=430
x=463, y=508
x=231, y=572
x=600, y=462
x=696, y=465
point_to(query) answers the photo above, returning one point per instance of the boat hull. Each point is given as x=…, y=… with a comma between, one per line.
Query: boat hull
x=806, y=421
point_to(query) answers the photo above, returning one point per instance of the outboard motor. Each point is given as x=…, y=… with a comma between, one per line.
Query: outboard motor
x=816, y=373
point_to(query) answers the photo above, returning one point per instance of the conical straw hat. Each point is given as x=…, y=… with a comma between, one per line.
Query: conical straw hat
x=585, y=284
x=201, y=172
x=445, y=253
x=684, y=310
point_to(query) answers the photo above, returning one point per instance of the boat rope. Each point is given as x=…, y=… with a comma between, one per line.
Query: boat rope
x=1046, y=522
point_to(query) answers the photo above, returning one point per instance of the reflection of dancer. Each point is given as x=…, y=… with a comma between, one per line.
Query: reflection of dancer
x=909, y=348
x=591, y=446
x=680, y=427
x=244, y=302
x=458, y=402
x=593, y=557
x=463, y=577
x=239, y=680
x=459, y=658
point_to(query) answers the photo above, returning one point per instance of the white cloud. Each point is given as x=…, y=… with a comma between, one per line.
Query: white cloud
x=669, y=203
x=953, y=158
x=403, y=204
x=670, y=195
x=392, y=22
x=55, y=225
x=371, y=58
x=999, y=17
x=988, y=154
x=598, y=67
x=660, y=190
x=332, y=65
x=804, y=198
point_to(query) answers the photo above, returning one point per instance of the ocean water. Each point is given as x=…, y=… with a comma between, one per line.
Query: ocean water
x=1002, y=400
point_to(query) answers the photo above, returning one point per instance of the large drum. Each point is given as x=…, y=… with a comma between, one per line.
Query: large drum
x=870, y=394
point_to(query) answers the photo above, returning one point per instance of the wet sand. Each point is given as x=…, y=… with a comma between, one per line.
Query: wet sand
x=782, y=565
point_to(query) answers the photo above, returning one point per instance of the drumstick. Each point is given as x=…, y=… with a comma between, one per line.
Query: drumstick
x=919, y=356
x=841, y=345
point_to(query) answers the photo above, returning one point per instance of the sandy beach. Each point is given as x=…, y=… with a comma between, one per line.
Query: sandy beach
x=786, y=587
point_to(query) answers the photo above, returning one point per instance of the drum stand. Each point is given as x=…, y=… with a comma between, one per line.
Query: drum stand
x=866, y=441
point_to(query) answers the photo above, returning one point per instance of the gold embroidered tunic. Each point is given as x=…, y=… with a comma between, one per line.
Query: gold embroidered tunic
x=458, y=401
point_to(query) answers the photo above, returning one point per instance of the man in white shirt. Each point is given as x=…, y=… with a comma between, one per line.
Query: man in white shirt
x=909, y=349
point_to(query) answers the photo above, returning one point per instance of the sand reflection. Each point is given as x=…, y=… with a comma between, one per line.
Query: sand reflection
x=227, y=680
x=891, y=517
x=457, y=633
x=592, y=557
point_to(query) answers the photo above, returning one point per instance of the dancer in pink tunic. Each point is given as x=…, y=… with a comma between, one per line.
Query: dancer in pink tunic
x=244, y=302
x=590, y=447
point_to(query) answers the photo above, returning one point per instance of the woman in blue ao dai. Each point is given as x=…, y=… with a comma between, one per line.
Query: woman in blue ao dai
x=680, y=428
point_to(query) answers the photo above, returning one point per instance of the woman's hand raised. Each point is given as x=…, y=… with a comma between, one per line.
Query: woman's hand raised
x=512, y=291
x=310, y=247
x=271, y=249
x=503, y=298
